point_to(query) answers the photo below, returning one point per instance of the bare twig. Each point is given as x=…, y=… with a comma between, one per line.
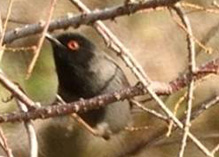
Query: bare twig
x=3, y=29
x=215, y=150
x=30, y=132
x=14, y=89
x=203, y=107
x=1, y=47
x=176, y=107
x=206, y=49
x=192, y=69
x=152, y=112
x=200, y=8
x=4, y=144
x=177, y=141
x=6, y=21
x=40, y=43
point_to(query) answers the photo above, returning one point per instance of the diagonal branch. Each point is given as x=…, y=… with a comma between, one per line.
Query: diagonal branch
x=16, y=91
x=40, y=42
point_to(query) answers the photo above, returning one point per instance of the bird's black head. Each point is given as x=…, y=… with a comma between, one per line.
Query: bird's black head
x=72, y=48
x=74, y=56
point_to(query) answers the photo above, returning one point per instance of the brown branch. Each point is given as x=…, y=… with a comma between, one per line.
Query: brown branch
x=74, y=107
x=211, y=67
x=86, y=19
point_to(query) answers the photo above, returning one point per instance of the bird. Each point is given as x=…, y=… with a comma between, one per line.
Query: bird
x=84, y=72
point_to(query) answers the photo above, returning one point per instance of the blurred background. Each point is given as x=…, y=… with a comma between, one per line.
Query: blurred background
x=154, y=39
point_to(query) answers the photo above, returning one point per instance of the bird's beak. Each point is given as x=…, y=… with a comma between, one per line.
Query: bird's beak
x=53, y=40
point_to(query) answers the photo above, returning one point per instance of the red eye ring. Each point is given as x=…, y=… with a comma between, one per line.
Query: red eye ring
x=73, y=45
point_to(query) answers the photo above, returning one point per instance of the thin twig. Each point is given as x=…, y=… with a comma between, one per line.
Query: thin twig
x=205, y=106
x=166, y=142
x=206, y=49
x=16, y=91
x=40, y=43
x=215, y=150
x=77, y=118
x=4, y=144
x=6, y=21
x=3, y=29
x=200, y=8
x=176, y=107
x=152, y=112
x=192, y=69
x=30, y=131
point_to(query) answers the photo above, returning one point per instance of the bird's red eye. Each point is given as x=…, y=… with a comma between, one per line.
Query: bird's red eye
x=73, y=45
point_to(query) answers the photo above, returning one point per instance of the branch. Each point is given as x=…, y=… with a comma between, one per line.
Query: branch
x=41, y=40
x=192, y=67
x=31, y=133
x=74, y=107
x=160, y=88
x=98, y=101
x=86, y=18
x=16, y=91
